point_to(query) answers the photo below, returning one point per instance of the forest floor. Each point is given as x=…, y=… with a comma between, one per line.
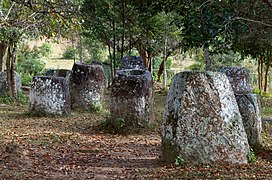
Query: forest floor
x=75, y=148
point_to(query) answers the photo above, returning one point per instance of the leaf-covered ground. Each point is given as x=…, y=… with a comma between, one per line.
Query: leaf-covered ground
x=74, y=148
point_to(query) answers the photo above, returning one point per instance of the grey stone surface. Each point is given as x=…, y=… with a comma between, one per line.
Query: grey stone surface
x=249, y=107
x=58, y=72
x=201, y=120
x=239, y=78
x=132, y=97
x=4, y=85
x=107, y=72
x=49, y=96
x=87, y=86
x=132, y=62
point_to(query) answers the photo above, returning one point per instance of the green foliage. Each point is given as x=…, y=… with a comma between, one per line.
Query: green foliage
x=197, y=67
x=179, y=161
x=45, y=50
x=96, y=108
x=6, y=99
x=120, y=123
x=26, y=79
x=70, y=53
x=262, y=93
x=251, y=156
x=30, y=62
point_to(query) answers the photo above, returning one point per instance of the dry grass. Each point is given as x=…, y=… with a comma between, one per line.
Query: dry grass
x=60, y=64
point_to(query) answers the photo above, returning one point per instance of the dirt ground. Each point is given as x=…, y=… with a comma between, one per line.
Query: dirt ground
x=74, y=148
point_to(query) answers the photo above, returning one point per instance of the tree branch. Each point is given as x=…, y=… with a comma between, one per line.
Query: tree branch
x=252, y=20
x=9, y=11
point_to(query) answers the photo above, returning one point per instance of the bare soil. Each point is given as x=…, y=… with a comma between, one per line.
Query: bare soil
x=74, y=148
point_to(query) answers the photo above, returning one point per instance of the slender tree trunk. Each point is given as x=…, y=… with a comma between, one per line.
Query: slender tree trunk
x=259, y=73
x=164, y=84
x=8, y=69
x=111, y=62
x=114, y=47
x=267, y=70
x=161, y=68
x=150, y=61
x=130, y=44
x=13, y=72
x=123, y=30
x=207, y=58
x=3, y=48
x=266, y=76
x=80, y=49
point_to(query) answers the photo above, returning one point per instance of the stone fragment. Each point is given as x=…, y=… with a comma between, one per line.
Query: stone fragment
x=201, y=120
x=87, y=86
x=49, y=96
x=239, y=78
x=249, y=107
x=132, y=97
x=132, y=62
x=4, y=89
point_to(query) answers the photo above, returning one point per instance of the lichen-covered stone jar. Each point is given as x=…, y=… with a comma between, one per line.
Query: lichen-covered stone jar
x=201, y=120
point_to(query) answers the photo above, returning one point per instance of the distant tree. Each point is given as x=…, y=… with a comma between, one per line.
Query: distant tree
x=52, y=19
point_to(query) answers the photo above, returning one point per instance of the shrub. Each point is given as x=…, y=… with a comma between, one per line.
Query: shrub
x=31, y=61
x=69, y=53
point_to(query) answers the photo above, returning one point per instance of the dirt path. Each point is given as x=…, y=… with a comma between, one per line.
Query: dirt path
x=72, y=148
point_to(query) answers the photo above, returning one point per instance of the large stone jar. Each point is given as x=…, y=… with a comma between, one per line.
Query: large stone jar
x=132, y=97
x=49, y=96
x=201, y=120
x=87, y=86
x=248, y=103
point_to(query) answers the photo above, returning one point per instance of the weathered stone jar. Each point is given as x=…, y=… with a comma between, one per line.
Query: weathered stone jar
x=132, y=62
x=132, y=97
x=201, y=120
x=87, y=86
x=239, y=79
x=58, y=72
x=49, y=96
x=248, y=103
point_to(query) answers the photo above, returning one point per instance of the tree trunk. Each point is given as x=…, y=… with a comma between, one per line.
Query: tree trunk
x=164, y=84
x=267, y=70
x=266, y=77
x=12, y=72
x=111, y=62
x=123, y=30
x=150, y=68
x=207, y=58
x=114, y=47
x=3, y=48
x=260, y=72
x=8, y=69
